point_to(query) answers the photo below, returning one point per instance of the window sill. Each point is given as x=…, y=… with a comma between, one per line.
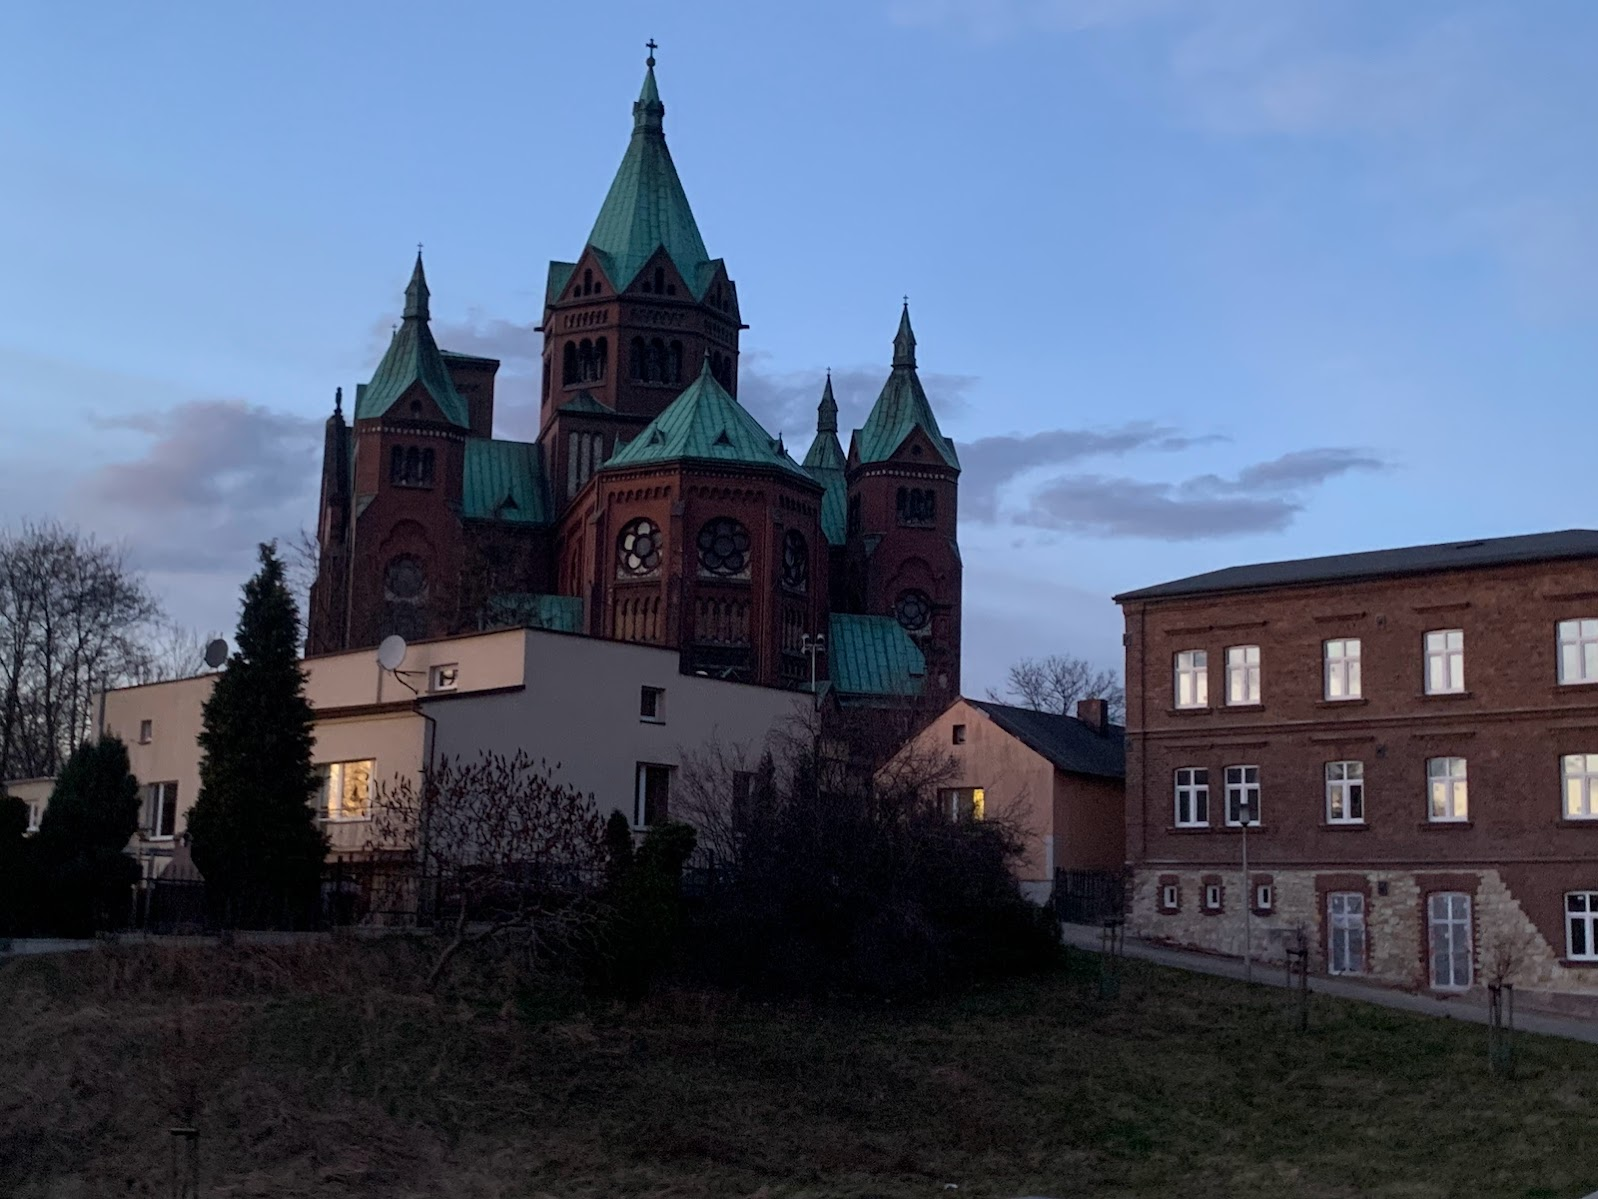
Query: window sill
x=1577, y=685
x=1344, y=826
x=1443, y=824
x=650, y=720
x=1579, y=963
x=1445, y=695
x=163, y=838
x=1254, y=707
x=344, y=819
x=1353, y=701
x=1238, y=828
x=1577, y=822
x=1189, y=711
x=1190, y=828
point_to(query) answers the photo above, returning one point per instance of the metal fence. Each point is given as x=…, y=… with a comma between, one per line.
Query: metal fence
x=1089, y=896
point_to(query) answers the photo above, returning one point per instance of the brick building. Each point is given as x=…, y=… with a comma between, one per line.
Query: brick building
x=653, y=507
x=1419, y=730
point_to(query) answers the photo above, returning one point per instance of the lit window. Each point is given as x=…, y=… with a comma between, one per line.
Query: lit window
x=1212, y=896
x=1445, y=786
x=1243, y=674
x=651, y=702
x=1242, y=787
x=1581, y=926
x=146, y=731
x=1578, y=651
x=1445, y=661
x=1264, y=897
x=964, y=803
x=1345, y=937
x=444, y=678
x=1581, y=786
x=1192, y=679
x=1192, y=797
x=1345, y=792
x=959, y=734
x=1342, y=669
x=161, y=809
x=346, y=790
x=652, y=795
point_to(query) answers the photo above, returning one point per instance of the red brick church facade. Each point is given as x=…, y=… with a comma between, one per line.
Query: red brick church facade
x=653, y=507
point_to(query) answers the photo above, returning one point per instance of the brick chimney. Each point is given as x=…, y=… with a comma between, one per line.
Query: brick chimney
x=1094, y=713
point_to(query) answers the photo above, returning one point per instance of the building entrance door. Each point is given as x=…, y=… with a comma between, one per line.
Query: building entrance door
x=1448, y=914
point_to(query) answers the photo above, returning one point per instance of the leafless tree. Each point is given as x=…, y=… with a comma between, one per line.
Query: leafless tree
x=74, y=620
x=1055, y=683
x=510, y=850
x=1505, y=955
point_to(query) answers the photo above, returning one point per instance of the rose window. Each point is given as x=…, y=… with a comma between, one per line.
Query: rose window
x=795, y=560
x=638, y=549
x=724, y=548
x=913, y=609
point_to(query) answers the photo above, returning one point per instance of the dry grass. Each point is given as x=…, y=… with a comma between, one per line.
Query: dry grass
x=320, y=1071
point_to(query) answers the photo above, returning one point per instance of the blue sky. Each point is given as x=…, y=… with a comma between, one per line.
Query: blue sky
x=1196, y=282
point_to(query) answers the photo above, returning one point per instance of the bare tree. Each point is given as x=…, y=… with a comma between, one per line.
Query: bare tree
x=510, y=849
x=1055, y=683
x=74, y=620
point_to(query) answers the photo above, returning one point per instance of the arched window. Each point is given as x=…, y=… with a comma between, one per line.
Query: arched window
x=588, y=282
x=585, y=361
x=601, y=358
x=638, y=363
x=427, y=468
x=660, y=281
x=913, y=610
x=638, y=549
x=674, y=362
x=724, y=548
x=917, y=506
x=568, y=374
x=795, y=560
x=657, y=360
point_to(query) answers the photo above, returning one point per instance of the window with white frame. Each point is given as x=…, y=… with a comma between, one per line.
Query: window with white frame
x=1578, y=651
x=1581, y=786
x=35, y=812
x=161, y=810
x=1243, y=674
x=652, y=704
x=1445, y=789
x=1345, y=792
x=1242, y=787
x=1345, y=932
x=346, y=790
x=1212, y=896
x=1193, y=679
x=1342, y=668
x=1264, y=896
x=1445, y=661
x=1169, y=896
x=1581, y=926
x=1192, y=797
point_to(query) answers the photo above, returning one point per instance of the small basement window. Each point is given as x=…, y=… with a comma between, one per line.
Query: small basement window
x=1212, y=896
x=1264, y=897
x=651, y=704
x=1169, y=897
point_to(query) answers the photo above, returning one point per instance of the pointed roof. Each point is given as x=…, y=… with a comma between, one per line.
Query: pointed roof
x=902, y=407
x=646, y=207
x=412, y=357
x=825, y=462
x=705, y=424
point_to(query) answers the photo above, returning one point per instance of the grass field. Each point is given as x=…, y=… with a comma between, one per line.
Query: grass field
x=320, y=1071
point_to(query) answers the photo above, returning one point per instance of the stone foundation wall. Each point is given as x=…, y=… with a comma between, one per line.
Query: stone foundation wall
x=1395, y=923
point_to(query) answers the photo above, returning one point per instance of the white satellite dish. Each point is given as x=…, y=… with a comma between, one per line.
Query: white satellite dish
x=391, y=652
x=215, y=653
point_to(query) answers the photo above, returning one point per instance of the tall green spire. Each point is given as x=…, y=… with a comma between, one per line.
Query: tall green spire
x=825, y=463
x=902, y=407
x=416, y=293
x=827, y=410
x=646, y=207
x=412, y=357
x=904, y=341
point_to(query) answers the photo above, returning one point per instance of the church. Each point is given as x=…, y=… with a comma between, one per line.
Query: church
x=653, y=507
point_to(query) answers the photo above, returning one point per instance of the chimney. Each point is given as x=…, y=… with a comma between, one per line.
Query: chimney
x=1094, y=713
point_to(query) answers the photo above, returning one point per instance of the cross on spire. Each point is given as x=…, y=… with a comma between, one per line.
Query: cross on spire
x=651, y=47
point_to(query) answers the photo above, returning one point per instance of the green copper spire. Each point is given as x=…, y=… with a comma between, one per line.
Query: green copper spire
x=904, y=341
x=902, y=407
x=412, y=357
x=646, y=207
x=825, y=463
x=827, y=410
x=416, y=293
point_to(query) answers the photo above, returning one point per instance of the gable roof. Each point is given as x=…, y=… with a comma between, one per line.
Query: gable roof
x=646, y=207
x=706, y=424
x=412, y=357
x=873, y=655
x=902, y=407
x=1376, y=564
x=1064, y=740
x=503, y=480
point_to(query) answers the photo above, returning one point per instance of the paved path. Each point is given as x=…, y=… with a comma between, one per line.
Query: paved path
x=1462, y=1007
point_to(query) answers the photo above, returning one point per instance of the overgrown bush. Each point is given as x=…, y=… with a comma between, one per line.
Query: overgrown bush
x=841, y=880
x=642, y=907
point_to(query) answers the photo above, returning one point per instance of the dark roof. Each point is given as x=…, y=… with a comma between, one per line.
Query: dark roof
x=1064, y=740
x=1375, y=564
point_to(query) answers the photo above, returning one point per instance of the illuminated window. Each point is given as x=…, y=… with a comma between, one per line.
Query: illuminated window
x=1192, y=679
x=1445, y=788
x=964, y=803
x=1342, y=668
x=346, y=790
x=1192, y=797
x=1581, y=786
x=1578, y=651
x=161, y=809
x=1243, y=674
x=1445, y=661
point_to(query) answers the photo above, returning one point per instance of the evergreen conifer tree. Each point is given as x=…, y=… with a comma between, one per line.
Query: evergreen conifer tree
x=80, y=849
x=252, y=829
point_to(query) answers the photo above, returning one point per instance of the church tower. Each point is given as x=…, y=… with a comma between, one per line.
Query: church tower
x=627, y=326
x=902, y=550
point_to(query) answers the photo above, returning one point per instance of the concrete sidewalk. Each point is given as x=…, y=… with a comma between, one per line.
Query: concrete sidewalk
x=1462, y=1007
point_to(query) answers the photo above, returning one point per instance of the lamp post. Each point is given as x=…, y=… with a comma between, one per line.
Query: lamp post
x=1245, y=817
x=812, y=646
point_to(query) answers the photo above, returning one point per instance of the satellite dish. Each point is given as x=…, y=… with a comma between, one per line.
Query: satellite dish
x=215, y=653
x=391, y=652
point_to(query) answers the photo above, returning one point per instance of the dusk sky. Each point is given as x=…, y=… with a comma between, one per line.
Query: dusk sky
x=1195, y=282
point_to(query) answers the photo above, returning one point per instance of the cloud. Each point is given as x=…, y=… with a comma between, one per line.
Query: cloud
x=1262, y=498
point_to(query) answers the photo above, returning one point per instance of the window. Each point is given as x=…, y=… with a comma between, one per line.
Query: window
x=916, y=506
x=1212, y=896
x=1192, y=797
x=638, y=549
x=959, y=734
x=410, y=466
x=1170, y=897
x=1578, y=651
x=1342, y=668
x=346, y=790
x=651, y=800
x=1445, y=786
x=1264, y=897
x=161, y=809
x=444, y=678
x=964, y=803
x=146, y=730
x=724, y=549
x=1345, y=792
x=1243, y=674
x=1242, y=787
x=651, y=701
x=1448, y=922
x=913, y=611
x=35, y=814
x=1345, y=932
x=1445, y=661
x=1581, y=926
x=1581, y=786
x=1192, y=679
x=795, y=560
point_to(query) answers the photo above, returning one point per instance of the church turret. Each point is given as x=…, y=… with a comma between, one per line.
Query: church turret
x=329, y=591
